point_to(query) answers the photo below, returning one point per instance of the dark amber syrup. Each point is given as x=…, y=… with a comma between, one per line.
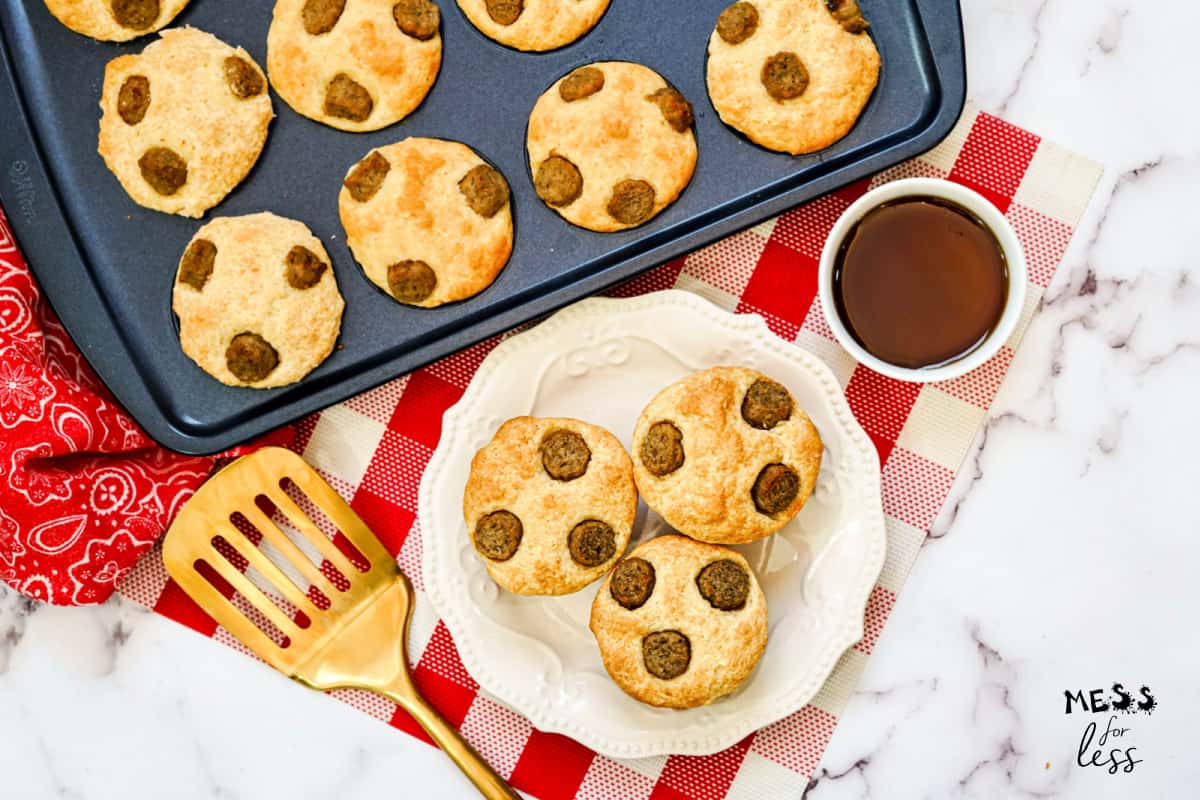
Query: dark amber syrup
x=920, y=282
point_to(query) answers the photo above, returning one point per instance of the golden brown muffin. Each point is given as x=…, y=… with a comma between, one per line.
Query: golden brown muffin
x=428, y=219
x=679, y=622
x=549, y=504
x=725, y=456
x=355, y=65
x=184, y=121
x=115, y=20
x=793, y=75
x=611, y=145
x=533, y=25
x=257, y=300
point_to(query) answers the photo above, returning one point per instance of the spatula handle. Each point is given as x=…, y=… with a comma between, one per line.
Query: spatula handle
x=480, y=773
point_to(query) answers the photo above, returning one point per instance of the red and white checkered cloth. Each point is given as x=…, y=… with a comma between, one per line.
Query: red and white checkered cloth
x=373, y=449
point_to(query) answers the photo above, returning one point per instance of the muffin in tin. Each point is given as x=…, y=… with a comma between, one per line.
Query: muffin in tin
x=428, y=219
x=549, y=504
x=354, y=65
x=680, y=623
x=725, y=455
x=533, y=25
x=610, y=145
x=115, y=20
x=257, y=300
x=792, y=75
x=184, y=121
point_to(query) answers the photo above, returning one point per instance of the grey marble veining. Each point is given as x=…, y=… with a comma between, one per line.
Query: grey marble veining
x=1065, y=558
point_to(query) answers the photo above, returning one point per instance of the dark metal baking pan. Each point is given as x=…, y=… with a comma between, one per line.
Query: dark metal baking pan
x=107, y=265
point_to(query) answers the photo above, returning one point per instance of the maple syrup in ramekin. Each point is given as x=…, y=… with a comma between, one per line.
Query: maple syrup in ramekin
x=920, y=282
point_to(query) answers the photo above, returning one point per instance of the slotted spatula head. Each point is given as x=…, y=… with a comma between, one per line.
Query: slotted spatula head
x=341, y=644
x=355, y=639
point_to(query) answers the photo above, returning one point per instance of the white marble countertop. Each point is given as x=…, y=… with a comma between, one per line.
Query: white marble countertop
x=1086, y=581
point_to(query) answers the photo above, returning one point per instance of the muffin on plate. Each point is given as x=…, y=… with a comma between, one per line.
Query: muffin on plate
x=725, y=455
x=549, y=504
x=680, y=623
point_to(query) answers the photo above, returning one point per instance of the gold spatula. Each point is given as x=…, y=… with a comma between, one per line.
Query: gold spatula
x=359, y=641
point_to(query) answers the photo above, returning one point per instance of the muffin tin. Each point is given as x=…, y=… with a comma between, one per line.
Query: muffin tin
x=107, y=265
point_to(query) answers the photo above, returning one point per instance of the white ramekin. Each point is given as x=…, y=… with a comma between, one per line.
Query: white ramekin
x=977, y=205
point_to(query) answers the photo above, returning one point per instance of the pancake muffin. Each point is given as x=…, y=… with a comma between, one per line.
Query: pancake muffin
x=549, y=504
x=115, y=20
x=792, y=75
x=680, y=623
x=356, y=65
x=725, y=455
x=183, y=121
x=611, y=145
x=533, y=24
x=428, y=219
x=257, y=300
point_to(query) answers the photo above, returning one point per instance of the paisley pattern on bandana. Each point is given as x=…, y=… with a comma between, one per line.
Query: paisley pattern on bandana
x=84, y=493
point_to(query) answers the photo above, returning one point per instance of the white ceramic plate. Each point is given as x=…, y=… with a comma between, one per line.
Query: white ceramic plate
x=601, y=360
